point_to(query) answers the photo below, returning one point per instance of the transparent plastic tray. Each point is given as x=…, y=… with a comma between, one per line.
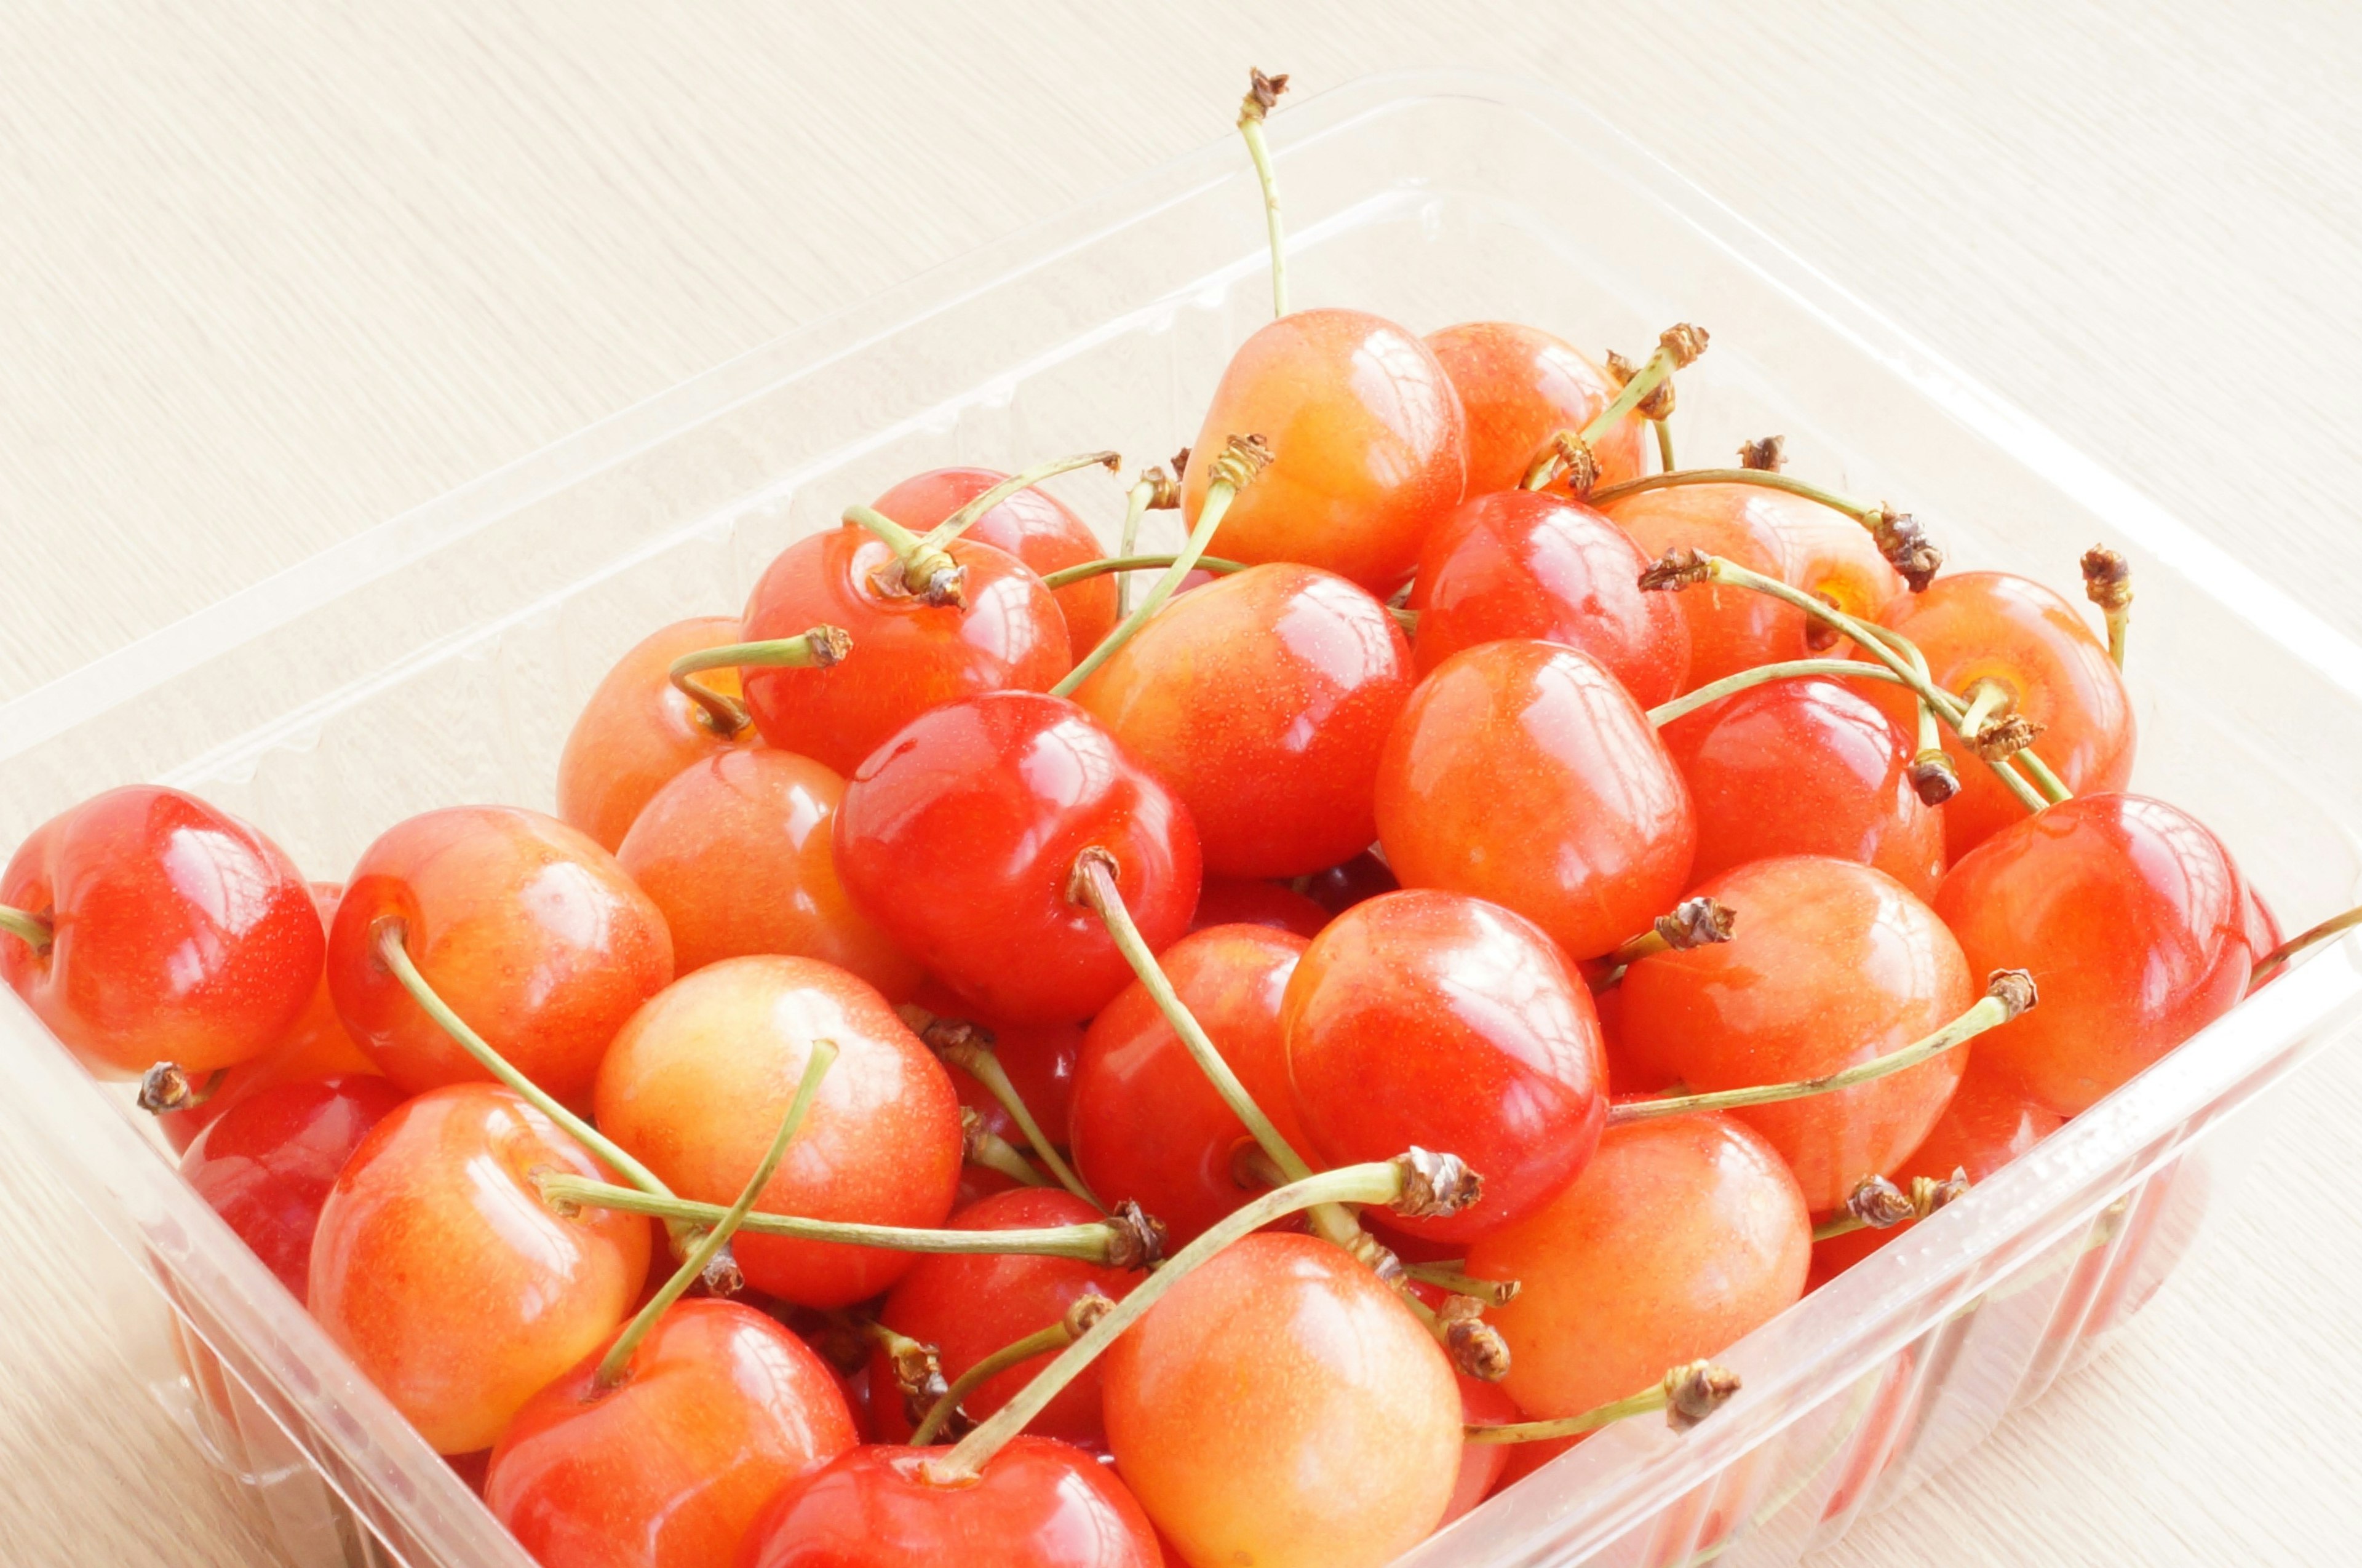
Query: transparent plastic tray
x=440, y=657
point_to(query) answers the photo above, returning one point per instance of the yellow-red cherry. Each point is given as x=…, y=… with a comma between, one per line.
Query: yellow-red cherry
x=1519, y=386
x=1032, y=525
x=639, y=730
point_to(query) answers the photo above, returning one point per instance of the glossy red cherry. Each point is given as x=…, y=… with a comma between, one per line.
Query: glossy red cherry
x=1032, y=525
x=1148, y=1128
x=454, y=1286
x=1829, y=965
x=528, y=929
x=177, y=932
x=1518, y=387
x=2132, y=920
x=1263, y=700
x=719, y=1408
x=1519, y=563
x=1281, y=1406
x=1234, y=901
x=266, y=1165
x=1039, y=1503
x=908, y=655
x=696, y=1084
x=959, y=839
x=1805, y=768
x=1369, y=446
x=1522, y=773
x=738, y=852
x=638, y=731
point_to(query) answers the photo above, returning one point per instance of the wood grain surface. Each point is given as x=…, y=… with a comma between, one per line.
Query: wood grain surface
x=271, y=272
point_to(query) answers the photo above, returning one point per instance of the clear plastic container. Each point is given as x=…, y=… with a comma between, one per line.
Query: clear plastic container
x=441, y=657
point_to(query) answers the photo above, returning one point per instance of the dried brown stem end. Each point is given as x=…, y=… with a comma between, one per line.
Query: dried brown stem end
x=1263, y=94
x=166, y=1087
x=1140, y=1237
x=831, y=644
x=1475, y=1347
x=721, y=1278
x=2013, y=988
x=1677, y=569
x=1374, y=1255
x=1434, y=1185
x=1820, y=635
x=1623, y=370
x=1164, y=490
x=2004, y=735
x=1934, y=776
x=1880, y=1204
x=1079, y=889
x=1696, y=1391
x=972, y=1132
x=1696, y=922
x=2107, y=579
x=1765, y=455
x=1905, y=547
x=1085, y=1314
x=918, y=1376
x=1684, y=342
x=941, y=1034
x=1930, y=1193
x=1243, y=457
x=1579, y=468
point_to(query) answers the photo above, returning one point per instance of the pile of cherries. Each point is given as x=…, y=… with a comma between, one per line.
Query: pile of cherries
x=987, y=1069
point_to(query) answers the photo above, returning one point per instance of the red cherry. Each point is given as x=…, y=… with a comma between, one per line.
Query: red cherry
x=738, y=853
x=177, y=932
x=909, y=656
x=959, y=839
x=452, y=1284
x=1039, y=1503
x=1233, y=901
x=1805, y=768
x=1263, y=700
x=1368, y=441
x=1281, y=1405
x=1521, y=772
x=1148, y=1128
x=1436, y=1019
x=1032, y=525
x=2132, y=920
x=1341, y=887
x=719, y=1409
x=267, y=1164
x=1519, y=563
x=528, y=929
x=1681, y=1236
x=1519, y=386
x=638, y=730
x=1830, y=964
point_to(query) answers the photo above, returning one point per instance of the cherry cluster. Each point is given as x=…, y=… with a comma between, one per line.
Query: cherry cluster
x=985, y=1068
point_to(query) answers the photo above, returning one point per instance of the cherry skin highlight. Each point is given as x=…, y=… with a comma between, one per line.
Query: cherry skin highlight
x=1805, y=768
x=696, y=1084
x=2132, y=920
x=1518, y=387
x=1148, y=1128
x=1032, y=525
x=959, y=839
x=1281, y=1406
x=1517, y=563
x=1681, y=1236
x=737, y=851
x=719, y=1408
x=442, y=1272
x=908, y=655
x=1263, y=700
x=1369, y=446
x=638, y=731
x=530, y=931
x=1233, y=901
x=178, y=934
x=1521, y=772
x=1441, y=1020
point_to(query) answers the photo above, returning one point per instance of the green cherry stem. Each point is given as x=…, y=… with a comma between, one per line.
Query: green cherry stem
x=1713, y=692
x=966, y=1047
x=1676, y=346
x=1899, y=535
x=1127, y=564
x=1262, y=91
x=1687, y=1394
x=1448, y=1274
x=29, y=929
x=979, y=1145
x=1932, y=773
x=1085, y=1311
x=2271, y=963
x=928, y=572
x=958, y=523
x=815, y=650
x=618, y=1358
x=1664, y=444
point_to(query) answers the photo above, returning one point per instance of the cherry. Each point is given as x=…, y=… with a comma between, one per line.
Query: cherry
x=1482, y=1404
x=1148, y=1127
x=1039, y=1503
x=969, y=1306
x=2132, y=918
x=1281, y=1406
x=1804, y=766
x=1519, y=563
x=695, y=1085
x=1342, y=886
x=147, y=926
x=639, y=730
x=1521, y=772
x=1370, y=447
x=959, y=839
x=1519, y=386
x=737, y=851
x=529, y=931
x=1681, y=1236
x=1032, y=525
x=1263, y=700
x=266, y=1164
x=1830, y=964
x=454, y=1286
x=1234, y=901
x=721, y=1408
x=2035, y=648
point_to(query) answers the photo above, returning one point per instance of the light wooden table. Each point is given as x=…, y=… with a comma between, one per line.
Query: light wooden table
x=270, y=272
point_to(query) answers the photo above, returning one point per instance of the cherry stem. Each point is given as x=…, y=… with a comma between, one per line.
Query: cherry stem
x=2108, y=584
x=1988, y=700
x=1262, y=94
x=618, y=1358
x=2271, y=963
x=1765, y=479
x=1687, y=1394
x=1086, y=1310
x=1135, y=509
x=1676, y=347
x=1664, y=444
x=1877, y=1204
x=969, y=1053
x=1692, y=923
x=815, y=650
x=1066, y=575
x=928, y=571
x=1448, y=1276
x=981, y=1146
x=958, y=523
x=1713, y=692
x=2008, y=992
x=29, y=929
x=165, y=1088
x=1932, y=773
